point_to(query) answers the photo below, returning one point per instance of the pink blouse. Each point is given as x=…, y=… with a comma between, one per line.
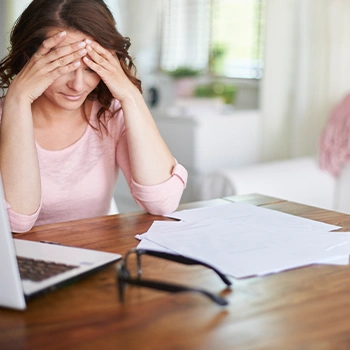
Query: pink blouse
x=78, y=182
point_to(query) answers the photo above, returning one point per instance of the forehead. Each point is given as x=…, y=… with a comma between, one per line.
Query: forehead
x=73, y=36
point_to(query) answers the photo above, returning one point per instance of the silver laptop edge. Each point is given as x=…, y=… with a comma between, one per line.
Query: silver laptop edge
x=14, y=291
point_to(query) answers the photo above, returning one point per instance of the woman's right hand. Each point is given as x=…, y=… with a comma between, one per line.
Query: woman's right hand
x=46, y=65
x=18, y=154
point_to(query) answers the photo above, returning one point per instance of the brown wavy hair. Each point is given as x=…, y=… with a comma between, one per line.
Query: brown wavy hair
x=91, y=17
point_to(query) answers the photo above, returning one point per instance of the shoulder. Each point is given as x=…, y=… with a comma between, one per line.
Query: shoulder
x=114, y=120
x=115, y=105
x=114, y=109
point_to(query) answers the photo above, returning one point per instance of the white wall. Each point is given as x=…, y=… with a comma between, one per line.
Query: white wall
x=140, y=21
x=3, y=35
x=13, y=10
x=9, y=12
x=115, y=8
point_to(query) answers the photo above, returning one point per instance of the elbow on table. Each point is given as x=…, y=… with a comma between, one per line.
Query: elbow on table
x=21, y=223
x=163, y=198
x=21, y=229
x=163, y=206
x=162, y=210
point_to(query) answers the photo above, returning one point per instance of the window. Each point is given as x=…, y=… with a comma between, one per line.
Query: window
x=222, y=37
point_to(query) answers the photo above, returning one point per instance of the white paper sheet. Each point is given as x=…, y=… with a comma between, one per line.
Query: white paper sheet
x=243, y=240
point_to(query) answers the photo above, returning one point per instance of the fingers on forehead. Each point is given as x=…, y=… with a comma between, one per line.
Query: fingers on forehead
x=101, y=50
x=96, y=46
x=52, y=41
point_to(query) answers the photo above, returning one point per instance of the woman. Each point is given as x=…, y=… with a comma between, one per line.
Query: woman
x=73, y=114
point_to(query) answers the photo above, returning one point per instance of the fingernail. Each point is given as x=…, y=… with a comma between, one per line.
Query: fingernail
x=62, y=33
x=82, y=44
x=88, y=41
x=82, y=52
x=89, y=48
x=76, y=64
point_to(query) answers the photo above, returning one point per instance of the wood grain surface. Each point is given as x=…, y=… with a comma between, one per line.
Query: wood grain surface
x=304, y=308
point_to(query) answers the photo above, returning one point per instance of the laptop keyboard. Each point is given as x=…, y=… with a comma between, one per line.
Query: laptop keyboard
x=39, y=270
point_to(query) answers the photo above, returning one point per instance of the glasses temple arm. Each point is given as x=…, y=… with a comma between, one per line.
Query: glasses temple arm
x=173, y=288
x=184, y=260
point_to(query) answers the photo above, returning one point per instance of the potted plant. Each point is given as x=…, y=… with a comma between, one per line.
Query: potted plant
x=184, y=77
x=225, y=91
x=216, y=59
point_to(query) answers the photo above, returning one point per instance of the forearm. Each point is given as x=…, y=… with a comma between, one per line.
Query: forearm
x=18, y=156
x=150, y=159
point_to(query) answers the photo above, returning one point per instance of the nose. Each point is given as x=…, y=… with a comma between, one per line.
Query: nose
x=76, y=80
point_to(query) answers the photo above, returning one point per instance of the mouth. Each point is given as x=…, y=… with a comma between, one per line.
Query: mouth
x=72, y=97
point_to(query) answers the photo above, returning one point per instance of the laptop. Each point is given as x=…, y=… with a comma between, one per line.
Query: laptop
x=29, y=268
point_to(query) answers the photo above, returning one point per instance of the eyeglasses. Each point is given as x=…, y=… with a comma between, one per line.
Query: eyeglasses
x=124, y=276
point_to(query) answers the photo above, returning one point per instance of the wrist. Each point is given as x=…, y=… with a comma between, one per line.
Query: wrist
x=17, y=97
x=130, y=95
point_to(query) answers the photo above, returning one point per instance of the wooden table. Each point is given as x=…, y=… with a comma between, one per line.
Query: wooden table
x=304, y=308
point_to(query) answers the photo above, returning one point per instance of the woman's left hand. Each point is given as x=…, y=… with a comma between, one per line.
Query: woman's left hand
x=106, y=64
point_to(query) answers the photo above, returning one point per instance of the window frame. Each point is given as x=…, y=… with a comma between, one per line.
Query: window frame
x=205, y=67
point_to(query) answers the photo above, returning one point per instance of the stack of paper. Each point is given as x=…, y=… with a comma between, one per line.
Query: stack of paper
x=244, y=240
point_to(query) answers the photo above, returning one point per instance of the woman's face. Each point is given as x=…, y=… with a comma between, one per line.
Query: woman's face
x=70, y=91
